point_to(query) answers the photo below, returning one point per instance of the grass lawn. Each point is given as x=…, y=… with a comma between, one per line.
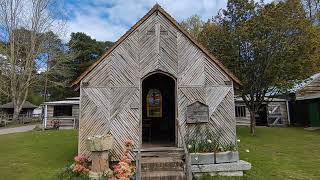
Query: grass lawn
x=36, y=155
x=275, y=153
x=280, y=153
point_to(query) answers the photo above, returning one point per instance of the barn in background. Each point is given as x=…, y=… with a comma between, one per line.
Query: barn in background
x=273, y=112
x=305, y=104
x=154, y=86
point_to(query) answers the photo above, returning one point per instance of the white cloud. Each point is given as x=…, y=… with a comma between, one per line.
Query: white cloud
x=109, y=19
x=104, y=22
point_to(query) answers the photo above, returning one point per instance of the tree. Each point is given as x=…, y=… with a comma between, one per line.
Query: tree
x=57, y=76
x=269, y=47
x=25, y=26
x=193, y=25
x=86, y=51
x=313, y=10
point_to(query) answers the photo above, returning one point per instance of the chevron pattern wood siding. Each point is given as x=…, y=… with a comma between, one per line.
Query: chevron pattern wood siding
x=111, y=100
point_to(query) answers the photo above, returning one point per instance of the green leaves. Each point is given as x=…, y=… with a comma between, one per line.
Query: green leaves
x=86, y=51
x=269, y=47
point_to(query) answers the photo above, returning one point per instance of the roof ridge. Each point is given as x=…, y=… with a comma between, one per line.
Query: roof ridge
x=155, y=8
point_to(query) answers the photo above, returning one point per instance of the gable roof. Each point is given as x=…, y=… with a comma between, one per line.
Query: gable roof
x=309, y=89
x=156, y=8
x=26, y=104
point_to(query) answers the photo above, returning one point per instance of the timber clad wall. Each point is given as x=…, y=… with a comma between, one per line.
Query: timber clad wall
x=110, y=101
x=275, y=110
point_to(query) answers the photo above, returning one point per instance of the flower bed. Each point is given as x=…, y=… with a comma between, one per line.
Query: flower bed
x=207, y=149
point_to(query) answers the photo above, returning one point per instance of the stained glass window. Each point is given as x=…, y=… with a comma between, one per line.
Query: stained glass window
x=154, y=103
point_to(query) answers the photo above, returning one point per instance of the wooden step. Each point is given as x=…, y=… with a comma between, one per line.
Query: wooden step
x=163, y=175
x=163, y=152
x=162, y=164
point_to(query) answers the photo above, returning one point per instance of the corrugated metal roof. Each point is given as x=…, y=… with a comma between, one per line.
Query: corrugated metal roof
x=305, y=83
x=64, y=102
x=310, y=89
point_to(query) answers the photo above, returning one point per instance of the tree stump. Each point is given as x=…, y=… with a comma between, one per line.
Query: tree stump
x=100, y=161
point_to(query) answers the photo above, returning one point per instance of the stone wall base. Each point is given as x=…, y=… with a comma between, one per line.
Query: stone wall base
x=224, y=169
x=226, y=173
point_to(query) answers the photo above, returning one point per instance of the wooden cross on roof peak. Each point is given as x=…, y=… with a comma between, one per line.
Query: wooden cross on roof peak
x=158, y=32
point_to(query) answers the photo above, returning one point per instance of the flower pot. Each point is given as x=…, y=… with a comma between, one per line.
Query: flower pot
x=227, y=157
x=100, y=142
x=202, y=158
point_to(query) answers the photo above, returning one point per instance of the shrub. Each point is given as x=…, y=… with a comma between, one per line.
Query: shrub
x=125, y=169
x=78, y=170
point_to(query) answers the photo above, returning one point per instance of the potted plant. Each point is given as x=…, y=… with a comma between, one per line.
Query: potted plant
x=201, y=151
x=227, y=153
x=100, y=142
x=202, y=146
x=55, y=123
x=205, y=148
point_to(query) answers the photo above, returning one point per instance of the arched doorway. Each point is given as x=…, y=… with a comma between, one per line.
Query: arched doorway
x=158, y=110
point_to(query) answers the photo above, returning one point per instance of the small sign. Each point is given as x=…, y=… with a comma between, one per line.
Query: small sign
x=197, y=112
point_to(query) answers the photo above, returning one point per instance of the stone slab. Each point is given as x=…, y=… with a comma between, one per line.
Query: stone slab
x=202, y=158
x=227, y=157
x=234, y=166
x=223, y=173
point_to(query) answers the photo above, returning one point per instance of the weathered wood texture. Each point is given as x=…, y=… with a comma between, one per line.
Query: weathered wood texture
x=311, y=90
x=111, y=100
x=277, y=114
x=65, y=121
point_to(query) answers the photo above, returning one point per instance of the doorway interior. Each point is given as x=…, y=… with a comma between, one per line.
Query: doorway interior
x=158, y=111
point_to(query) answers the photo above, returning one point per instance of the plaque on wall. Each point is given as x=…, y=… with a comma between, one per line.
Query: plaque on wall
x=197, y=112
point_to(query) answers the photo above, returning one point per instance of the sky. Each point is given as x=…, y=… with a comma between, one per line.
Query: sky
x=109, y=19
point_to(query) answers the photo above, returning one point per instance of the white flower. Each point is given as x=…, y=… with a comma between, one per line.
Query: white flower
x=189, y=146
x=196, y=158
x=238, y=140
x=209, y=141
x=247, y=150
x=220, y=148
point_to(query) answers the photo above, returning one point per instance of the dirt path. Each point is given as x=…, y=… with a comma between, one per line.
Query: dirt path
x=17, y=129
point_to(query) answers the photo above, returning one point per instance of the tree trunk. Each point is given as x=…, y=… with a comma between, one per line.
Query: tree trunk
x=16, y=112
x=253, y=122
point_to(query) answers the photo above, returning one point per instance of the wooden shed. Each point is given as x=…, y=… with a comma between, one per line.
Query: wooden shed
x=26, y=112
x=273, y=112
x=65, y=111
x=305, y=106
x=153, y=86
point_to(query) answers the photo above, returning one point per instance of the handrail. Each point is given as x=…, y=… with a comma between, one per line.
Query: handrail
x=138, y=156
x=187, y=159
x=72, y=118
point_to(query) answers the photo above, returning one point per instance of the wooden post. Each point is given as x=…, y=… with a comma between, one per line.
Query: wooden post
x=100, y=161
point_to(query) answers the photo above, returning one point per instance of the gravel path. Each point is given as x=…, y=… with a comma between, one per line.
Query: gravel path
x=17, y=129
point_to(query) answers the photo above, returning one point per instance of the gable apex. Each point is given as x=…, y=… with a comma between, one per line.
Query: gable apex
x=156, y=9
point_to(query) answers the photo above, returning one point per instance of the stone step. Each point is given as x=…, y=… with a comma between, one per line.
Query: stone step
x=162, y=164
x=163, y=175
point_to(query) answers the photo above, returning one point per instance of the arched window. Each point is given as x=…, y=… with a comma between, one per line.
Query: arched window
x=154, y=103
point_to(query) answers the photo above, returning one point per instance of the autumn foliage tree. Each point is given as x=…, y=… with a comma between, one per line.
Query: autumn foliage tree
x=269, y=47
